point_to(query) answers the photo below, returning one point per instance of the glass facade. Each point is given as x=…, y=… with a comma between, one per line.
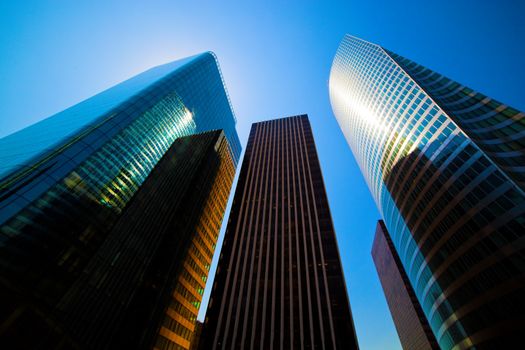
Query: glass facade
x=448, y=188
x=66, y=180
x=498, y=129
x=146, y=280
x=20, y=149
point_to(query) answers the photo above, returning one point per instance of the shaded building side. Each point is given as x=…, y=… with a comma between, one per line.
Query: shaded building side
x=131, y=291
x=180, y=325
x=410, y=321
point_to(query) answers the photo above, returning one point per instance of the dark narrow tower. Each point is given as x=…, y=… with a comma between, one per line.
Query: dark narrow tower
x=279, y=282
x=411, y=324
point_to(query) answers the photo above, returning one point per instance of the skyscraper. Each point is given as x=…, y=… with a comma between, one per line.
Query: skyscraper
x=279, y=281
x=444, y=165
x=410, y=321
x=83, y=230
x=144, y=285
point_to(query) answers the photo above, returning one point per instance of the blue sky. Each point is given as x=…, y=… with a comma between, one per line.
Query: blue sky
x=275, y=58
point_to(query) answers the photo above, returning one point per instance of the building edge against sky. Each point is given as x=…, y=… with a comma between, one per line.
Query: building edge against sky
x=23, y=148
x=279, y=280
x=68, y=179
x=411, y=324
x=443, y=165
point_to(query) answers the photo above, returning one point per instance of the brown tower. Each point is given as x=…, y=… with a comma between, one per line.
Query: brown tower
x=279, y=281
x=411, y=324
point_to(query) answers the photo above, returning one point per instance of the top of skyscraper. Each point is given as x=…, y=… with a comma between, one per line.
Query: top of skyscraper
x=36, y=141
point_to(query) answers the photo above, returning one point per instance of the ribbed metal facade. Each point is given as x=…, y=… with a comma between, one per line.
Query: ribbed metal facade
x=454, y=208
x=279, y=282
x=66, y=181
x=410, y=321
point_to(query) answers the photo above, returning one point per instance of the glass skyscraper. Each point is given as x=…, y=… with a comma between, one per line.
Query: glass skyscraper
x=144, y=285
x=445, y=167
x=67, y=182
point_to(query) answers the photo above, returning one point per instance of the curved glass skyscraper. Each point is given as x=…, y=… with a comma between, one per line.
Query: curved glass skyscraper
x=445, y=166
x=67, y=182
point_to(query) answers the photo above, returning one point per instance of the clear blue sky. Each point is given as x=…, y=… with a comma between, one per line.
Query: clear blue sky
x=275, y=58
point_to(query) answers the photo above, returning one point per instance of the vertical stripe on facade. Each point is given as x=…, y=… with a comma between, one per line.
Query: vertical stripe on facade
x=272, y=287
